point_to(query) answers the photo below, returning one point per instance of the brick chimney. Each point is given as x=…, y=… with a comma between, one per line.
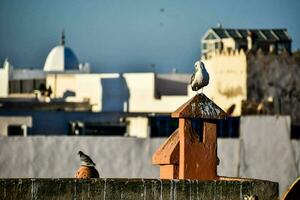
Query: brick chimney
x=185, y=155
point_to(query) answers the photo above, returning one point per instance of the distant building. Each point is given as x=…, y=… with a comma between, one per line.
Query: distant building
x=62, y=59
x=218, y=39
x=260, y=76
x=128, y=103
x=249, y=76
x=24, y=82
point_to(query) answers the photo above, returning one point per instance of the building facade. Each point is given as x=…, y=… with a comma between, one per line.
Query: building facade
x=245, y=78
x=225, y=39
x=135, y=100
x=256, y=78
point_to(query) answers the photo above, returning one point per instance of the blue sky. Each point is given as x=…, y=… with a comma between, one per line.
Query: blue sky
x=131, y=35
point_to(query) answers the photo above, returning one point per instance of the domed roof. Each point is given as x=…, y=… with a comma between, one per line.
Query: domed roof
x=61, y=58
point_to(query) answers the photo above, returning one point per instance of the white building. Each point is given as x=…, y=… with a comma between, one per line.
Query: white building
x=70, y=81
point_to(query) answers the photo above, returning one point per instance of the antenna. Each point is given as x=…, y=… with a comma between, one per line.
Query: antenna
x=62, y=40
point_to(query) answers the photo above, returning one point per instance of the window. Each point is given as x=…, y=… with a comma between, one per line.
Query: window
x=15, y=130
x=281, y=47
x=217, y=45
x=25, y=86
x=14, y=86
x=204, y=46
x=97, y=128
x=210, y=36
x=243, y=46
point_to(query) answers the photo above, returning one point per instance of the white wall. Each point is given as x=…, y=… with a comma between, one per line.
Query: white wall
x=142, y=95
x=110, y=92
x=41, y=156
x=84, y=86
x=267, y=152
x=263, y=151
x=138, y=126
x=228, y=79
x=4, y=79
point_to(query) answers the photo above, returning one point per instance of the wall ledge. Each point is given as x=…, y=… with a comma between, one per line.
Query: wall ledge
x=69, y=188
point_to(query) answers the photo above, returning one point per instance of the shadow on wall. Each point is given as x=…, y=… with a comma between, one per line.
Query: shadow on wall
x=69, y=93
x=115, y=94
x=166, y=87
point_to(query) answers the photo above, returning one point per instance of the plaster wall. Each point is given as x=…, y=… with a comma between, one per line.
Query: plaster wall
x=81, y=87
x=42, y=156
x=88, y=86
x=228, y=78
x=4, y=80
x=61, y=84
x=138, y=126
x=129, y=92
x=229, y=43
x=142, y=95
x=266, y=150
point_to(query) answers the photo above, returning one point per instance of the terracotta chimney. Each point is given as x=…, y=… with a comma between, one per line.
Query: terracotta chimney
x=185, y=155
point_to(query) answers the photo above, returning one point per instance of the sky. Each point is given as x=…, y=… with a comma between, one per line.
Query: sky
x=131, y=35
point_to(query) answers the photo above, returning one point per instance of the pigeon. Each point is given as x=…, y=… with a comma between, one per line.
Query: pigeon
x=200, y=77
x=86, y=160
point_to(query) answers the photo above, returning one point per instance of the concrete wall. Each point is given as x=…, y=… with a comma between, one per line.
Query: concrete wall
x=57, y=156
x=133, y=189
x=263, y=151
x=266, y=150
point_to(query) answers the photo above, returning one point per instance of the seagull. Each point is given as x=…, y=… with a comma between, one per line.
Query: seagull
x=86, y=160
x=200, y=77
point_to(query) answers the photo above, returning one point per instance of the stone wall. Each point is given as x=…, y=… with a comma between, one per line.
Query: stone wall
x=228, y=74
x=133, y=189
x=273, y=80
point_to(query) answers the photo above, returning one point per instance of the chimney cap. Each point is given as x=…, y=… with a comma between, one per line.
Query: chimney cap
x=200, y=106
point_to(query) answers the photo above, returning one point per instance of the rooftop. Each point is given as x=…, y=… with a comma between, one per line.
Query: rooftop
x=260, y=34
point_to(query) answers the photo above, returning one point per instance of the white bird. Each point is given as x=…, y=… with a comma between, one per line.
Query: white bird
x=200, y=77
x=86, y=160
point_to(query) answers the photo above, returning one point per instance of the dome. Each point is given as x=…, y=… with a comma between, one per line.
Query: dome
x=61, y=58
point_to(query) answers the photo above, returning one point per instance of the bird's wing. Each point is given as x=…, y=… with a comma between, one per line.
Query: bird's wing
x=192, y=78
x=205, y=77
x=86, y=159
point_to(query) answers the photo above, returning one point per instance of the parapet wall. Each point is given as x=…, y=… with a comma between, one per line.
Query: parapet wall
x=112, y=189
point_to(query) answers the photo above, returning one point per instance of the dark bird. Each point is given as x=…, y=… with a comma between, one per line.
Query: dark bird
x=86, y=160
x=200, y=77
